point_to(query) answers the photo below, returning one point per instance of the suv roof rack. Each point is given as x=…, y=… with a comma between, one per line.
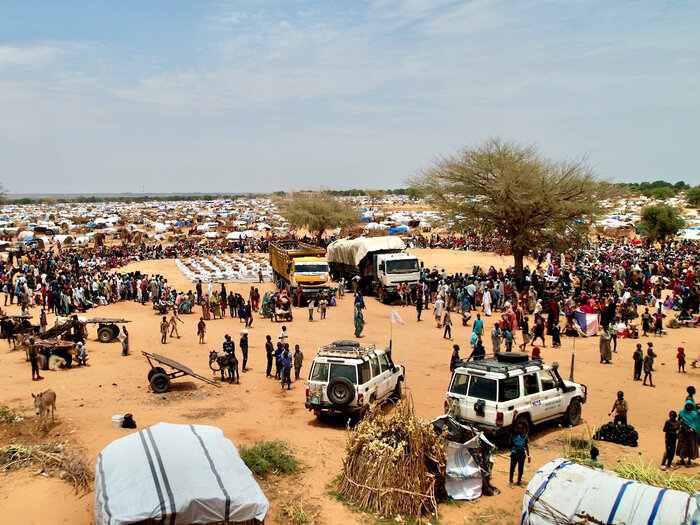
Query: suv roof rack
x=347, y=348
x=497, y=364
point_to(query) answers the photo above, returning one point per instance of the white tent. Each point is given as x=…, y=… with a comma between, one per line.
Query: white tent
x=175, y=474
x=238, y=235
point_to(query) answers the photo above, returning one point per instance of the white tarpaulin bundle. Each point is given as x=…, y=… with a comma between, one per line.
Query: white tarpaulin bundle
x=352, y=251
x=463, y=477
x=562, y=492
x=176, y=474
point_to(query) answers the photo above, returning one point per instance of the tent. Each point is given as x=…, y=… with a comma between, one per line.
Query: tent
x=176, y=474
x=562, y=492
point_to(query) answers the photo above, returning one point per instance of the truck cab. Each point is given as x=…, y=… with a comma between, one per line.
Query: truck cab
x=309, y=272
x=392, y=269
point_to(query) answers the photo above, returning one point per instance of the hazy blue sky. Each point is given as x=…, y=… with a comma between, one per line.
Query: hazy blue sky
x=174, y=95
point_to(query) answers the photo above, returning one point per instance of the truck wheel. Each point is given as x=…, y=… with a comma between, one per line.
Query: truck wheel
x=340, y=391
x=158, y=370
x=523, y=420
x=160, y=383
x=381, y=296
x=105, y=334
x=42, y=362
x=573, y=413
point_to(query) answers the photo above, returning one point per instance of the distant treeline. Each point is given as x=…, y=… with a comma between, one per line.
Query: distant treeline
x=659, y=189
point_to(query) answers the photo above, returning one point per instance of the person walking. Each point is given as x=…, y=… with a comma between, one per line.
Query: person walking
x=358, y=320
x=496, y=338
x=298, y=361
x=620, y=408
x=419, y=305
x=519, y=450
x=278, y=360
x=638, y=357
x=447, y=323
x=174, y=319
x=243, y=343
x=323, y=306
x=604, y=346
x=164, y=330
x=33, y=359
x=438, y=307
x=270, y=353
x=671, y=429
x=42, y=321
x=648, y=366
x=311, y=305
x=201, y=330
x=282, y=338
x=286, y=361
x=124, y=338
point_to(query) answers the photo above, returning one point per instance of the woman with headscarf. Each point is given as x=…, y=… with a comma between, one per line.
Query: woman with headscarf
x=358, y=320
x=687, y=447
x=605, y=346
x=205, y=307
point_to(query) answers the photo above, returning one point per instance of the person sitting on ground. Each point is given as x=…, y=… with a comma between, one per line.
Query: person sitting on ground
x=593, y=461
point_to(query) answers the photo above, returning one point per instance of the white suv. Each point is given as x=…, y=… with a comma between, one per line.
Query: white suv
x=345, y=377
x=496, y=393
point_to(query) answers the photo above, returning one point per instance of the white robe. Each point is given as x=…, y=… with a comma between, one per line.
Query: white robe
x=487, y=301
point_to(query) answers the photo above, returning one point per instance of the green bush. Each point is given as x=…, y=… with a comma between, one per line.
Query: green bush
x=7, y=414
x=269, y=457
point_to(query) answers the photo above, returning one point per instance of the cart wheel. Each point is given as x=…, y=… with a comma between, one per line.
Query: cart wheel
x=105, y=334
x=160, y=383
x=154, y=371
x=42, y=362
x=115, y=331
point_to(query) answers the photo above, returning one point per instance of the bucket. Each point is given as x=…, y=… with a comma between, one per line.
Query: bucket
x=117, y=421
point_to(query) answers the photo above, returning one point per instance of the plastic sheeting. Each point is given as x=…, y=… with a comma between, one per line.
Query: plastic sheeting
x=562, y=492
x=175, y=474
x=352, y=251
x=463, y=479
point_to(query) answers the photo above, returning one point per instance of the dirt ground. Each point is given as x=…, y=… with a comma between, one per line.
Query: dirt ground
x=259, y=409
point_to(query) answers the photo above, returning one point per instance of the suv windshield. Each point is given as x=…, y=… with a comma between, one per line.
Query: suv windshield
x=346, y=371
x=310, y=267
x=402, y=266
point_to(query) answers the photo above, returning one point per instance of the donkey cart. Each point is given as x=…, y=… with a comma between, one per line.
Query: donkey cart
x=159, y=379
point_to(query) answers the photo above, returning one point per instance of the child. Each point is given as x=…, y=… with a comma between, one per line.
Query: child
x=508, y=338
x=519, y=449
x=620, y=407
x=556, y=339
x=681, y=359
x=593, y=461
x=671, y=428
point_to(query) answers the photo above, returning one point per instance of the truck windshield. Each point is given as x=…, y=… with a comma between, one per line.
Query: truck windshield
x=402, y=266
x=311, y=267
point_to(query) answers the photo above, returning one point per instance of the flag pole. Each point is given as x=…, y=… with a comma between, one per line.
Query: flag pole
x=573, y=357
x=391, y=330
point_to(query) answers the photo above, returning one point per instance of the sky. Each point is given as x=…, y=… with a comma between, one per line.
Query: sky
x=260, y=96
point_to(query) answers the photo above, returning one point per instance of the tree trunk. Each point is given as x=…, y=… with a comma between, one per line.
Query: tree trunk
x=319, y=238
x=518, y=255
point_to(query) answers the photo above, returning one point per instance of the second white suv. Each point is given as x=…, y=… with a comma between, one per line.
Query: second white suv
x=345, y=377
x=496, y=393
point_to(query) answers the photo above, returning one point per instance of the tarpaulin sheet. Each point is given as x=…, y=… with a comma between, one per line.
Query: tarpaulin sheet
x=175, y=474
x=352, y=251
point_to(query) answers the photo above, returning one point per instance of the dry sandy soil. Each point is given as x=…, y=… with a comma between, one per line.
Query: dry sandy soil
x=259, y=409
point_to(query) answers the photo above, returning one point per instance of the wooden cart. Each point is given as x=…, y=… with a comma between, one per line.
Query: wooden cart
x=107, y=329
x=159, y=379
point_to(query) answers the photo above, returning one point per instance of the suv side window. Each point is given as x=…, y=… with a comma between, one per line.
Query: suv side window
x=530, y=384
x=365, y=374
x=509, y=389
x=375, y=366
x=459, y=384
x=384, y=362
x=319, y=372
x=548, y=382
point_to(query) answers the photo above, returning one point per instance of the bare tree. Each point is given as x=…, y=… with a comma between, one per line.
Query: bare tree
x=505, y=189
x=317, y=212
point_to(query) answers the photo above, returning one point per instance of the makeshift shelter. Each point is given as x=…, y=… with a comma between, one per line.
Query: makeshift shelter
x=176, y=474
x=566, y=493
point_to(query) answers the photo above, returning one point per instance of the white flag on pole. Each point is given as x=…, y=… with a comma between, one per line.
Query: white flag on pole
x=396, y=318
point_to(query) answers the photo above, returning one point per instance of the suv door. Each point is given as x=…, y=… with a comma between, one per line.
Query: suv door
x=481, y=400
x=551, y=395
x=375, y=386
x=532, y=400
x=386, y=385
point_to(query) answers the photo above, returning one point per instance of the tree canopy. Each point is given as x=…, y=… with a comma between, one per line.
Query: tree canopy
x=693, y=196
x=512, y=191
x=317, y=212
x=660, y=222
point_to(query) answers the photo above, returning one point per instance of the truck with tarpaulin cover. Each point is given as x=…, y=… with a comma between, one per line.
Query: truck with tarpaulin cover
x=376, y=264
x=296, y=264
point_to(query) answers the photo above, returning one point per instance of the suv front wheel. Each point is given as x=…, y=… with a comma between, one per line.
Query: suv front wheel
x=340, y=391
x=573, y=413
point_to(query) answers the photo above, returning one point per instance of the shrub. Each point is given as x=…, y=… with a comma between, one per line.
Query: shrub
x=269, y=457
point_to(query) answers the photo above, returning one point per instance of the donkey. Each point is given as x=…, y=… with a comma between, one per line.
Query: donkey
x=225, y=361
x=43, y=404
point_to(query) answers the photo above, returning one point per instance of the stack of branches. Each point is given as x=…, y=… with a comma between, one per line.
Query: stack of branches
x=52, y=458
x=395, y=464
